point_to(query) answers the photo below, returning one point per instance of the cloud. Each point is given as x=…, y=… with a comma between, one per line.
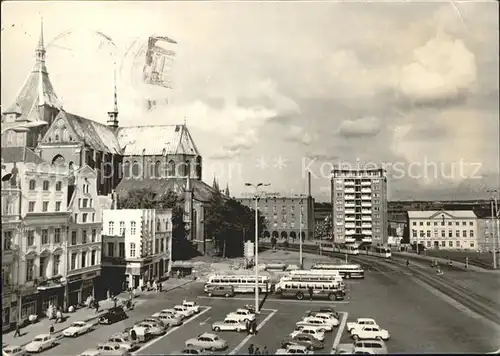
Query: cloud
x=322, y=155
x=368, y=126
x=300, y=135
x=237, y=146
x=442, y=70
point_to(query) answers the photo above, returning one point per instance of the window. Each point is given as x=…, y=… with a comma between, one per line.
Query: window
x=443, y=243
x=472, y=244
x=93, y=217
x=73, y=237
x=162, y=245
x=58, y=186
x=464, y=223
x=45, y=236
x=121, y=249
x=157, y=246
x=166, y=225
x=85, y=189
x=421, y=223
x=428, y=233
x=45, y=206
x=84, y=203
x=7, y=240
x=471, y=223
x=457, y=223
x=422, y=234
x=73, y=260
x=457, y=243
x=57, y=235
x=32, y=184
x=76, y=218
x=55, y=265
x=43, y=265
x=84, y=236
x=450, y=243
x=450, y=233
x=158, y=227
x=94, y=235
x=435, y=223
x=471, y=233
x=122, y=228
x=111, y=227
x=31, y=237
x=111, y=249
x=443, y=233
x=442, y=223
x=84, y=217
x=91, y=203
x=30, y=269
x=45, y=185
x=428, y=244
x=449, y=223
x=58, y=206
x=428, y=223
x=84, y=259
x=414, y=223
x=132, y=228
x=31, y=206
x=464, y=233
x=457, y=233
x=414, y=233
x=132, y=249
x=93, y=256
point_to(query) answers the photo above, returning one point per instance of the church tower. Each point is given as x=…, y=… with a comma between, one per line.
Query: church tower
x=188, y=208
x=36, y=101
x=113, y=115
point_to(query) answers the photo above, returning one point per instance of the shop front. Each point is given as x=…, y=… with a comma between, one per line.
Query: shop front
x=88, y=284
x=73, y=290
x=30, y=304
x=51, y=293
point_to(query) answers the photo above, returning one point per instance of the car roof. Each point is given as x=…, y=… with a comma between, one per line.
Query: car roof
x=11, y=347
x=366, y=319
x=207, y=335
x=90, y=352
x=42, y=335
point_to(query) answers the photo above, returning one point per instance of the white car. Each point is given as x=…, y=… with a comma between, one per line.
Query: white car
x=360, y=322
x=112, y=349
x=329, y=318
x=311, y=330
x=191, y=306
x=170, y=319
x=208, y=341
x=40, y=343
x=294, y=350
x=370, y=332
x=229, y=324
x=321, y=324
x=13, y=350
x=91, y=352
x=124, y=341
x=242, y=315
x=77, y=328
x=185, y=312
x=164, y=312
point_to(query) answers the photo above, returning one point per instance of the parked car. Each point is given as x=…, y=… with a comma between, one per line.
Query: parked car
x=91, y=352
x=306, y=340
x=192, y=350
x=293, y=350
x=328, y=318
x=242, y=315
x=125, y=341
x=151, y=319
x=229, y=324
x=14, y=350
x=40, y=343
x=221, y=291
x=317, y=322
x=112, y=349
x=208, y=341
x=171, y=319
x=113, y=315
x=311, y=330
x=185, y=312
x=344, y=349
x=142, y=332
x=370, y=332
x=360, y=322
x=77, y=328
x=191, y=306
x=373, y=347
x=169, y=311
x=155, y=329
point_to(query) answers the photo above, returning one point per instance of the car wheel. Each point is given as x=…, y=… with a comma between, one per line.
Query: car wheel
x=299, y=295
x=39, y=350
x=226, y=295
x=216, y=328
x=213, y=349
x=311, y=348
x=332, y=296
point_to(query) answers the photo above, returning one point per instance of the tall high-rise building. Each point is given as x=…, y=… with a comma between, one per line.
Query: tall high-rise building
x=359, y=205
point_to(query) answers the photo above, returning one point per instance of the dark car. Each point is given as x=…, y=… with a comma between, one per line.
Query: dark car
x=113, y=315
x=305, y=340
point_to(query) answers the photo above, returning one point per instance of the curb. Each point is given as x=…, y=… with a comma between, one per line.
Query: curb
x=58, y=332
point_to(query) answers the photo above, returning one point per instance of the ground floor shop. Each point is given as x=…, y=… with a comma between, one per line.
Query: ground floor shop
x=112, y=280
x=139, y=273
x=80, y=287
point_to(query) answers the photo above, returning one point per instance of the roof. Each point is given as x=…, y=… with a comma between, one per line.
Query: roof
x=202, y=192
x=98, y=136
x=19, y=154
x=429, y=214
x=156, y=140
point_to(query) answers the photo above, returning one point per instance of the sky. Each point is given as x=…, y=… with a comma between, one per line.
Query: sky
x=273, y=90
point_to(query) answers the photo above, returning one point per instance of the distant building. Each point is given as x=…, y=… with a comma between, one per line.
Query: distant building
x=137, y=247
x=322, y=220
x=359, y=206
x=396, y=232
x=453, y=230
x=488, y=228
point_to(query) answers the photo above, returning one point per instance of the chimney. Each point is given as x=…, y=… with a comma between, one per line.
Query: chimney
x=308, y=184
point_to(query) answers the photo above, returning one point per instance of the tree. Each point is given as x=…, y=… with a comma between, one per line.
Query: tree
x=147, y=199
x=230, y=224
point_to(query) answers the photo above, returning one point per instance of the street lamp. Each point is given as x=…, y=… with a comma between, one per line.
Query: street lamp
x=256, y=260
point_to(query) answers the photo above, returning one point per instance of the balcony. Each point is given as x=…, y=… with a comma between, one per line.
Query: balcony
x=367, y=239
x=366, y=226
x=350, y=197
x=366, y=197
x=350, y=232
x=349, y=239
x=366, y=184
x=366, y=204
x=349, y=205
x=366, y=190
x=349, y=211
x=349, y=190
x=366, y=211
x=349, y=183
x=366, y=232
x=366, y=218
x=350, y=225
x=350, y=218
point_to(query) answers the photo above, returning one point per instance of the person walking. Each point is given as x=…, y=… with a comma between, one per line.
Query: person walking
x=97, y=306
x=310, y=293
x=250, y=349
x=51, y=329
x=161, y=287
x=18, y=330
x=254, y=327
x=248, y=326
x=257, y=351
x=264, y=351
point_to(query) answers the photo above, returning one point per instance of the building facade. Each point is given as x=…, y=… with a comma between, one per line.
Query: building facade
x=359, y=206
x=137, y=247
x=84, y=237
x=446, y=230
x=488, y=229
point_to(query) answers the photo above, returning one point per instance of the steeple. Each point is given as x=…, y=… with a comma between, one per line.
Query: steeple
x=215, y=185
x=113, y=115
x=40, y=50
x=227, y=190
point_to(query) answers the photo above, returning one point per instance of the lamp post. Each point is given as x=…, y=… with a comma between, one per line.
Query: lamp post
x=494, y=218
x=300, y=235
x=256, y=259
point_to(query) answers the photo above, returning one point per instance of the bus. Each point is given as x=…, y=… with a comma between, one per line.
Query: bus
x=346, y=270
x=309, y=272
x=320, y=290
x=240, y=283
x=379, y=251
x=311, y=278
x=350, y=249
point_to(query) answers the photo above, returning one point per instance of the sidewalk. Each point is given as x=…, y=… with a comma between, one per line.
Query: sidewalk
x=442, y=261
x=83, y=314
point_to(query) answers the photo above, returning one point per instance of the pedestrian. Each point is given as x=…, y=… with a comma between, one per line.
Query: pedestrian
x=133, y=335
x=310, y=292
x=161, y=287
x=97, y=306
x=254, y=327
x=248, y=326
x=250, y=349
x=115, y=301
x=18, y=330
x=257, y=351
x=264, y=351
x=51, y=329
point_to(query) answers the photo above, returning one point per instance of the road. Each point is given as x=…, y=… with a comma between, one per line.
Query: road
x=419, y=320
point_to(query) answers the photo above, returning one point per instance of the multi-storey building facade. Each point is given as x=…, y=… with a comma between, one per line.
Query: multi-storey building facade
x=359, y=205
x=488, y=229
x=84, y=237
x=137, y=247
x=453, y=230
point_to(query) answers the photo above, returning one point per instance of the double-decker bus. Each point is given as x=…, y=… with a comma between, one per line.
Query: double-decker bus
x=379, y=251
x=345, y=270
x=240, y=283
x=320, y=290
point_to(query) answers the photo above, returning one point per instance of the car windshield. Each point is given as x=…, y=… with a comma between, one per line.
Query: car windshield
x=77, y=324
x=38, y=339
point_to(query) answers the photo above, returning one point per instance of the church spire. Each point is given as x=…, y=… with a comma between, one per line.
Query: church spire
x=215, y=185
x=113, y=115
x=227, y=190
x=40, y=49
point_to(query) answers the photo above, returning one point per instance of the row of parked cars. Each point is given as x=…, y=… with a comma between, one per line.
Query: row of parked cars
x=369, y=338
x=309, y=333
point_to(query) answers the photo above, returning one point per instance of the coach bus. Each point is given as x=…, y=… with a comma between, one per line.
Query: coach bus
x=240, y=283
x=320, y=290
x=379, y=251
x=346, y=270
